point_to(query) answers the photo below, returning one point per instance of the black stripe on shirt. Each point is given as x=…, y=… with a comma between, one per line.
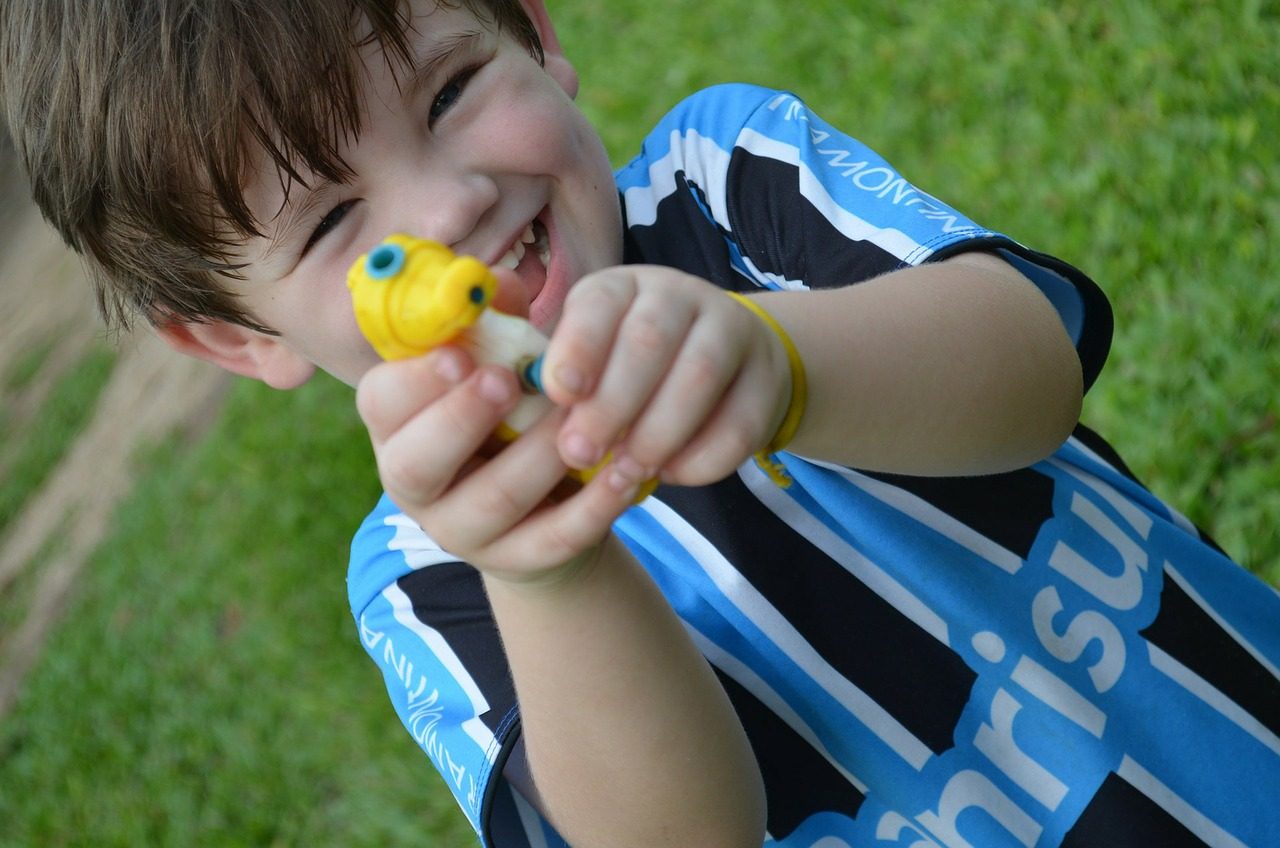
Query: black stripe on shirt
x=1007, y=508
x=684, y=237
x=450, y=599
x=785, y=234
x=1186, y=632
x=921, y=682
x=798, y=781
x=1119, y=816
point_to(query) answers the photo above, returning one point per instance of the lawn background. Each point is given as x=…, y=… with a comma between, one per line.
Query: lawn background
x=206, y=686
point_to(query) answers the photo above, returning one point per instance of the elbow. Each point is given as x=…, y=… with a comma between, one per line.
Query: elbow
x=1051, y=432
x=1048, y=415
x=1070, y=405
x=1024, y=419
x=1064, y=401
x=1044, y=371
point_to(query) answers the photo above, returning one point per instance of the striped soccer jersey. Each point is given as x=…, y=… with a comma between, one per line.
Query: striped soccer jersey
x=1046, y=657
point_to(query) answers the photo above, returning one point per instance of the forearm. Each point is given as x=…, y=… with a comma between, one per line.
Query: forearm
x=957, y=368
x=630, y=738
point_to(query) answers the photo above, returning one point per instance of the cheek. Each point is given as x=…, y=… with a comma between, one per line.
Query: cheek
x=537, y=128
x=343, y=353
x=347, y=346
x=322, y=328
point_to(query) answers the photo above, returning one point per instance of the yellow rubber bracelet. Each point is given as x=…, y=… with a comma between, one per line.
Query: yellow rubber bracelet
x=799, y=386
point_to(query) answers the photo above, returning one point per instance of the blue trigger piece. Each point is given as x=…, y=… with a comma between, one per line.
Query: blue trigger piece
x=531, y=375
x=384, y=261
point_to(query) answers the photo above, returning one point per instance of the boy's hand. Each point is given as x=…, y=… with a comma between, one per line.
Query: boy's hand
x=654, y=365
x=499, y=507
x=667, y=372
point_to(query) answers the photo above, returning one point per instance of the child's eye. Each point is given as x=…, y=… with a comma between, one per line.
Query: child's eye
x=450, y=93
x=327, y=223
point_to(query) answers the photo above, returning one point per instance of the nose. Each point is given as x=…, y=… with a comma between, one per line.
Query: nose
x=443, y=203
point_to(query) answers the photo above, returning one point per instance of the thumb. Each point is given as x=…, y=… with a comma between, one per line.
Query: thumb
x=511, y=297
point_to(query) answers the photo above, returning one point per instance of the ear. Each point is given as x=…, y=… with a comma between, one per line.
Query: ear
x=239, y=350
x=557, y=65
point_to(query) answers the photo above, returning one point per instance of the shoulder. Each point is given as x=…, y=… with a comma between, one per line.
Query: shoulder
x=715, y=115
x=697, y=139
x=728, y=101
x=387, y=546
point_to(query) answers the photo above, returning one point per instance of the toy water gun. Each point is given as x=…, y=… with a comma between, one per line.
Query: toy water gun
x=411, y=294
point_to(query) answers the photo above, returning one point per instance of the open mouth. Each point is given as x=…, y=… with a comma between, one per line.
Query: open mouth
x=532, y=240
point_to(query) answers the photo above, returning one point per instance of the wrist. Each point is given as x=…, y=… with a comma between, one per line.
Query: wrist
x=797, y=400
x=557, y=580
x=799, y=393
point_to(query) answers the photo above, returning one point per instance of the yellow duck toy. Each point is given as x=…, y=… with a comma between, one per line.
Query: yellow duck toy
x=412, y=294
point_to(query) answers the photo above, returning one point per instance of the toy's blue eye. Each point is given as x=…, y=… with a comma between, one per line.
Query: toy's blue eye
x=384, y=261
x=476, y=294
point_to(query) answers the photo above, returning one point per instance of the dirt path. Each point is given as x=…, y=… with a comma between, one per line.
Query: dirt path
x=150, y=394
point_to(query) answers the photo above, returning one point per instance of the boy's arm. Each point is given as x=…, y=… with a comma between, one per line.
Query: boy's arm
x=956, y=368
x=630, y=738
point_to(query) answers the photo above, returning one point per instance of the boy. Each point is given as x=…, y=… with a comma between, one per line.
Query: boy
x=982, y=636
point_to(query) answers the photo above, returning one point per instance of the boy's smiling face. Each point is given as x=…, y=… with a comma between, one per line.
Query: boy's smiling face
x=479, y=147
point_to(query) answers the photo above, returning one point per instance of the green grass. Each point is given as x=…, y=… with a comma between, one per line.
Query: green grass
x=27, y=368
x=207, y=687
x=61, y=418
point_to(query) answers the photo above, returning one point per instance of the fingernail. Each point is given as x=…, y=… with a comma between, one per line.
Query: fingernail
x=622, y=484
x=579, y=451
x=570, y=378
x=448, y=367
x=628, y=468
x=493, y=388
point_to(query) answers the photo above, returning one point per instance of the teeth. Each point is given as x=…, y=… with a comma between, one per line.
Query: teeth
x=513, y=256
x=539, y=242
x=537, y=239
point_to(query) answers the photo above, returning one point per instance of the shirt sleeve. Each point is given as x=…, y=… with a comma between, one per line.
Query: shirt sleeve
x=795, y=203
x=425, y=621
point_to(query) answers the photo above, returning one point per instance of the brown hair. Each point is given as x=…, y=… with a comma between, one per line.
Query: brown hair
x=136, y=122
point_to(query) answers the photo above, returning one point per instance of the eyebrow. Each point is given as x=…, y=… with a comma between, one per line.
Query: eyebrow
x=428, y=66
x=294, y=214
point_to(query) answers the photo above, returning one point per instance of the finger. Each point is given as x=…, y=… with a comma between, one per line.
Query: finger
x=583, y=337
x=499, y=493
x=652, y=335
x=391, y=393
x=709, y=360
x=742, y=423
x=556, y=533
x=422, y=457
